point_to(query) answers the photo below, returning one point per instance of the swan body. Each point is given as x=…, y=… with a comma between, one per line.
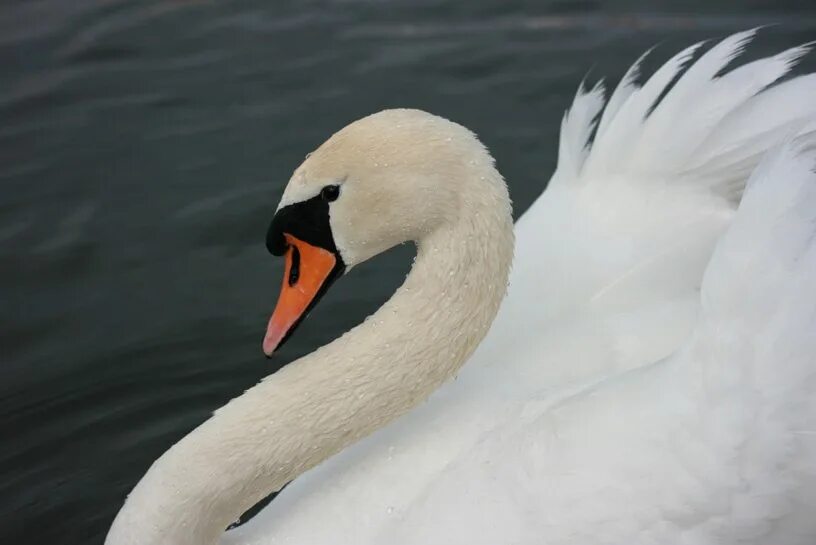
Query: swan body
x=637, y=386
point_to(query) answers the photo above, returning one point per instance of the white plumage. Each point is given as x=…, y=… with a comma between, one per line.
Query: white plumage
x=541, y=440
x=639, y=385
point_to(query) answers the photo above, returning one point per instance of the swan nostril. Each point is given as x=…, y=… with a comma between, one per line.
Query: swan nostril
x=294, y=268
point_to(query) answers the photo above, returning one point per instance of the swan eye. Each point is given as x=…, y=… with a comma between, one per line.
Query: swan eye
x=330, y=193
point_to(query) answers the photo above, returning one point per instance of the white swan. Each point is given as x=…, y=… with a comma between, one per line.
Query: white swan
x=545, y=437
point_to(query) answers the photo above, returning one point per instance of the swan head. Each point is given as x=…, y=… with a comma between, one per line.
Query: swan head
x=392, y=177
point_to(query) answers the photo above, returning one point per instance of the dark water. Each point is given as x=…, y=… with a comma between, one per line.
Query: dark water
x=143, y=148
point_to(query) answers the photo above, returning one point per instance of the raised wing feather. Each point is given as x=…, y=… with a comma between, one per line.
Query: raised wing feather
x=707, y=122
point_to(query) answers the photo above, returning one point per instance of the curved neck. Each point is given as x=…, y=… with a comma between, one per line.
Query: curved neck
x=316, y=406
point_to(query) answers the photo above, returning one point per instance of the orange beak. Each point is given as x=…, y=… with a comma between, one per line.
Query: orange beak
x=309, y=272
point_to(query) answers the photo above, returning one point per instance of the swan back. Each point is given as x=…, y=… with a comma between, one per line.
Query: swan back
x=712, y=445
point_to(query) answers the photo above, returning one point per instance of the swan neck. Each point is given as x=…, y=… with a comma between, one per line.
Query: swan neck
x=321, y=403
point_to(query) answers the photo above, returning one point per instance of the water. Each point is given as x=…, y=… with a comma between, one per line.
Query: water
x=143, y=147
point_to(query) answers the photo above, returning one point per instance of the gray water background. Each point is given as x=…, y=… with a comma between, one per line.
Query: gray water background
x=143, y=148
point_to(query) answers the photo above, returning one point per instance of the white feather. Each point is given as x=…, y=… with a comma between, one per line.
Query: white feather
x=633, y=389
x=576, y=127
x=612, y=150
x=627, y=86
x=730, y=152
x=709, y=130
x=671, y=132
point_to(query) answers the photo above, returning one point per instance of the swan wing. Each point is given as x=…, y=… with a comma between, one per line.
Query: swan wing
x=644, y=187
x=715, y=444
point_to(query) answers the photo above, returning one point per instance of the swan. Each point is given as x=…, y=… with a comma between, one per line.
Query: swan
x=646, y=379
